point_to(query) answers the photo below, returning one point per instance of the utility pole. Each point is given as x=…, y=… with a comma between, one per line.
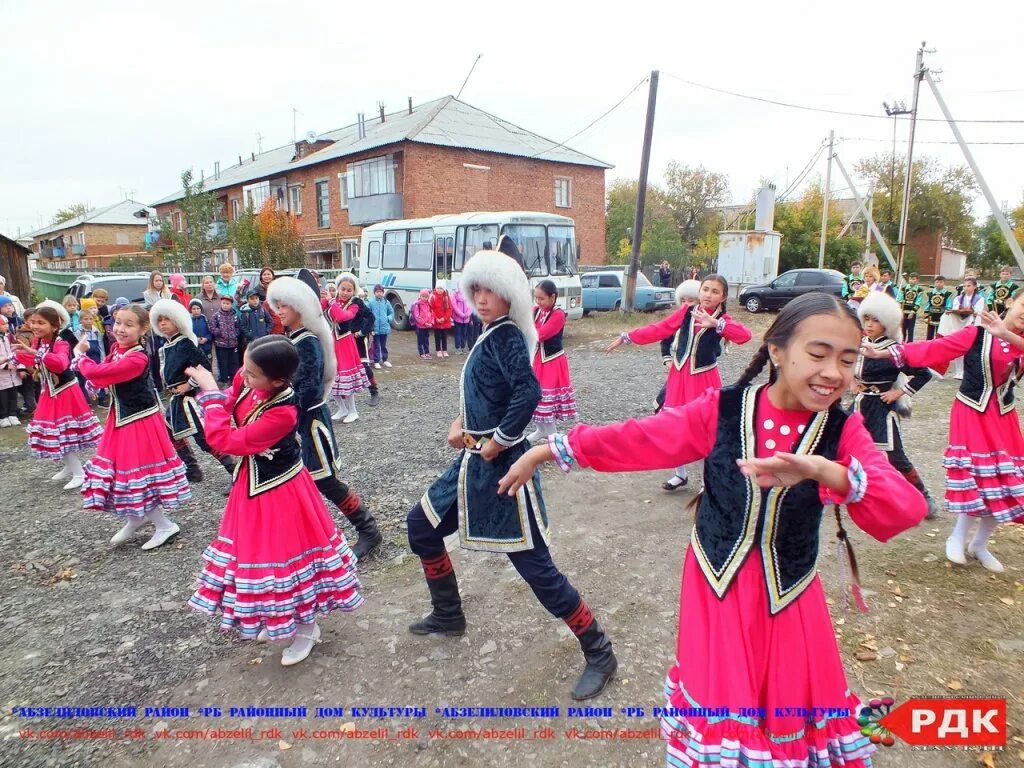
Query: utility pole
x=997, y=212
x=294, y=113
x=901, y=245
x=867, y=227
x=641, y=197
x=824, y=202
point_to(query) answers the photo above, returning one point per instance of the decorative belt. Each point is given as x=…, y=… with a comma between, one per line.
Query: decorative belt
x=473, y=442
x=874, y=389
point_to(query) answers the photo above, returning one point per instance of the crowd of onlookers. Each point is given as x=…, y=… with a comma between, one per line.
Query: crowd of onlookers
x=227, y=314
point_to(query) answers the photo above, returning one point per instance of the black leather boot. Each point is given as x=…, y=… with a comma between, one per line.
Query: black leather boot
x=447, y=617
x=601, y=663
x=366, y=526
x=193, y=472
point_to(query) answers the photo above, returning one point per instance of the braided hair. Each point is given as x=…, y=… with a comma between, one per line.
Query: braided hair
x=780, y=331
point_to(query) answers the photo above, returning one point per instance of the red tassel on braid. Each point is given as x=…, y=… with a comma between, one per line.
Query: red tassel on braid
x=350, y=505
x=580, y=619
x=437, y=567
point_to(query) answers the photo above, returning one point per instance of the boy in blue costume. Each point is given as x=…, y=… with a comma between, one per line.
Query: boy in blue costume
x=498, y=395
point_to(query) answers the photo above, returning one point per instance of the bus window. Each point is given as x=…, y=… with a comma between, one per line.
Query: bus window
x=394, y=249
x=470, y=239
x=421, y=243
x=531, y=240
x=562, y=242
x=373, y=255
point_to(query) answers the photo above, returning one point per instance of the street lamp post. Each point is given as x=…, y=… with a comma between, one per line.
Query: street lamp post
x=893, y=110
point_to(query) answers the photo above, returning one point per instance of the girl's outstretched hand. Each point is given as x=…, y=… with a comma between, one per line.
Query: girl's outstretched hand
x=614, y=345
x=870, y=351
x=520, y=473
x=203, y=378
x=994, y=324
x=782, y=469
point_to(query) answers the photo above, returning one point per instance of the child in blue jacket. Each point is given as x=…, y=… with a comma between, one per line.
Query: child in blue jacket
x=383, y=314
x=201, y=328
x=255, y=321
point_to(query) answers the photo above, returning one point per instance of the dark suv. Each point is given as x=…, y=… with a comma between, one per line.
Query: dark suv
x=788, y=286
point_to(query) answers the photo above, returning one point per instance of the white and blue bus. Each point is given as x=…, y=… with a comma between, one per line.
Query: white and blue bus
x=406, y=256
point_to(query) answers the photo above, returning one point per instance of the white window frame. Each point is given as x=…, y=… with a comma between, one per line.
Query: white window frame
x=295, y=199
x=343, y=189
x=327, y=209
x=567, y=182
x=373, y=173
x=236, y=208
x=256, y=194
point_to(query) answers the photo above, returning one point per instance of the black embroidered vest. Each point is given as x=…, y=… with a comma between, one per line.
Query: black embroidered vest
x=176, y=355
x=56, y=382
x=553, y=347
x=702, y=349
x=978, y=384
x=341, y=330
x=736, y=515
x=279, y=463
x=136, y=398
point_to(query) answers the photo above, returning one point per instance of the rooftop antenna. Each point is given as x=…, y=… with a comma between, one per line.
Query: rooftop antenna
x=294, y=133
x=259, y=142
x=478, y=57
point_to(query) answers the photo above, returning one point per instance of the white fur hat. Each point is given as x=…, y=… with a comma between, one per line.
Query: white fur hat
x=65, y=318
x=350, y=278
x=501, y=274
x=176, y=313
x=687, y=290
x=296, y=294
x=886, y=310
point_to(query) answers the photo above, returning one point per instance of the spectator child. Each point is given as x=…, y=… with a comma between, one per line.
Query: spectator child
x=256, y=321
x=201, y=328
x=441, y=307
x=383, y=314
x=70, y=303
x=423, y=318
x=225, y=330
x=462, y=315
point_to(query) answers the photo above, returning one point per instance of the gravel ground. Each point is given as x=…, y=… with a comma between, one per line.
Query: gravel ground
x=86, y=624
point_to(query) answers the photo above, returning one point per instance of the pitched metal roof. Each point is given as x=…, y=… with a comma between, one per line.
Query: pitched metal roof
x=445, y=122
x=118, y=213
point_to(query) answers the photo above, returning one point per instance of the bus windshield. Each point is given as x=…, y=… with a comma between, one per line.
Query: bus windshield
x=562, y=249
x=473, y=238
x=531, y=240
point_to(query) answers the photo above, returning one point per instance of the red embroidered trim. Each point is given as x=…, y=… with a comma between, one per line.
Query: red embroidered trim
x=437, y=567
x=580, y=619
x=350, y=504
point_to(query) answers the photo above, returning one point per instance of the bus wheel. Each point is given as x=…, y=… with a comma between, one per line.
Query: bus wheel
x=401, y=320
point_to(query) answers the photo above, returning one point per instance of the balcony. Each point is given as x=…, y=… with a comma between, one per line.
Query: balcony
x=374, y=208
x=217, y=231
x=58, y=253
x=78, y=249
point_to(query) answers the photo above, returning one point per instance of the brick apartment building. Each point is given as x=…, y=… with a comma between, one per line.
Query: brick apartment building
x=92, y=239
x=444, y=156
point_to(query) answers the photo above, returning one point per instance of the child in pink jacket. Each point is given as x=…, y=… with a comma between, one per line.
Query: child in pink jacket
x=462, y=314
x=423, y=320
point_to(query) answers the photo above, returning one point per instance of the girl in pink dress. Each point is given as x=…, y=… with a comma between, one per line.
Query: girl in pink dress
x=278, y=562
x=698, y=330
x=351, y=377
x=550, y=365
x=985, y=459
x=755, y=641
x=135, y=473
x=62, y=425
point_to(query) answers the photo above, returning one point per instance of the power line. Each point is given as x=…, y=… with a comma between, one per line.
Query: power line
x=595, y=121
x=918, y=141
x=819, y=109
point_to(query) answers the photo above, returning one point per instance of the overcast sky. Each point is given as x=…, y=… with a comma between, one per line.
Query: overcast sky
x=107, y=99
